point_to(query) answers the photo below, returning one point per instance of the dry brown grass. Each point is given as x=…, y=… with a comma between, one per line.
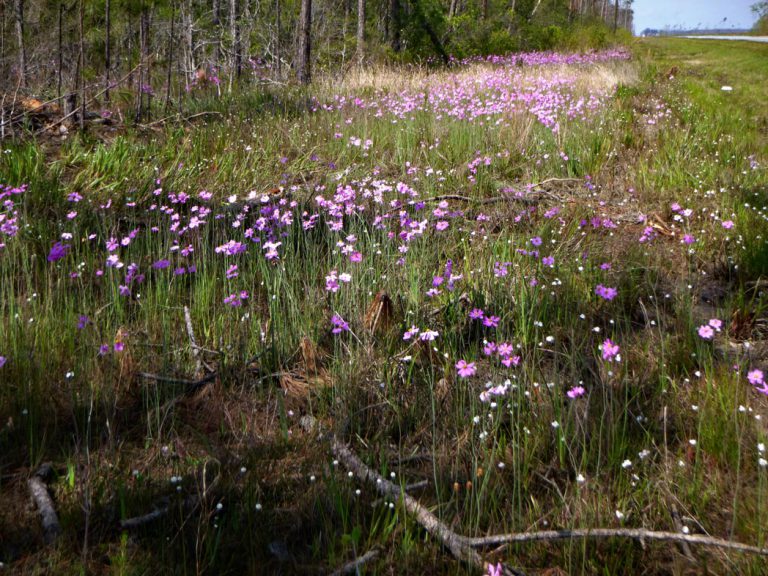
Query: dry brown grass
x=391, y=79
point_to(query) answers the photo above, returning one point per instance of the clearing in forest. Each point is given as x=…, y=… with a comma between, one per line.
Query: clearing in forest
x=526, y=291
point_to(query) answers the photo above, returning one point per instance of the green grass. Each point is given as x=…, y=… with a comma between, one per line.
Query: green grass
x=116, y=439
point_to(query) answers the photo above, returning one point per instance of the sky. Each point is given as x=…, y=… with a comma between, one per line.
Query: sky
x=692, y=13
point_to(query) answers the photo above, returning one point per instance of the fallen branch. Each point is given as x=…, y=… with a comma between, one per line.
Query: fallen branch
x=632, y=533
x=178, y=116
x=528, y=198
x=89, y=101
x=138, y=521
x=192, y=340
x=532, y=196
x=354, y=566
x=44, y=503
x=192, y=385
x=189, y=505
x=684, y=548
x=407, y=488
x=458, y=545
x=464, y=548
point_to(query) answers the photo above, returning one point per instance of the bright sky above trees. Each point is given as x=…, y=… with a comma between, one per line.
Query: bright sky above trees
x=692, y=13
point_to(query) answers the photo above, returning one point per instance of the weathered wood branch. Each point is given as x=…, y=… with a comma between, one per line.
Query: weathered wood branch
x=632, y=533
x=39, y=491
x=465, y=548
x=138, y=521
x=354, y=566
x=458, y=545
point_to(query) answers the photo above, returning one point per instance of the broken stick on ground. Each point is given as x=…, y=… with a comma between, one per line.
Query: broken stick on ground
x=464, y=548
x=39, y=491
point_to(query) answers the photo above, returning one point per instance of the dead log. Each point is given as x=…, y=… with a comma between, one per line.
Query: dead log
x=42, y=499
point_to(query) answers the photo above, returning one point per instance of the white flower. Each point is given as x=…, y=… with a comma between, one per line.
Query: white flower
x=626, y=464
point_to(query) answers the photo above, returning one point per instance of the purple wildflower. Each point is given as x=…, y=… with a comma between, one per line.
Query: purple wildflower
x=58, y=251
x=706, y=332
x=339, y=324
x=476, y=314
x=606, y=292
x=465, y=369
x=756, y=377
x=575, y=392
x=610, y=351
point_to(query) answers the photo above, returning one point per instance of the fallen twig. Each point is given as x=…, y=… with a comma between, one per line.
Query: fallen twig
x=354, y=566
x=192, y=340
x=684, y=548
x=407, y=488
x=189, y=505
x=192, y=385
x=44, y=503
x=458, y=545
x=464, y=548
x=184, y=119
x=137, y=521
x=632, y=533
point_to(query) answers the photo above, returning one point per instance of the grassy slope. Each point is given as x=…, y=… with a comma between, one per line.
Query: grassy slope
x=117, y=439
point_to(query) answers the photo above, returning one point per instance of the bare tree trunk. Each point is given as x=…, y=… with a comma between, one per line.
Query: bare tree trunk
x=246, y=27
x=453, y=8
x=216, y=32
x=61, y=55
x=615, y=15
x=189, y=47
x=278, y=54
x=81, y=64
x=145, y=77
x=234, y=29
x=485, y=9
x=394, y=24
x=169, y=71
x=19, y=15
x=128, y=48
x=2, y=37
x=360, y=51
x=107, y=49
x=303, y=53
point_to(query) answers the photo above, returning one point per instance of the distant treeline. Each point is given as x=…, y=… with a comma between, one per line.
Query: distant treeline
x=694, y=32
x=154, y=52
